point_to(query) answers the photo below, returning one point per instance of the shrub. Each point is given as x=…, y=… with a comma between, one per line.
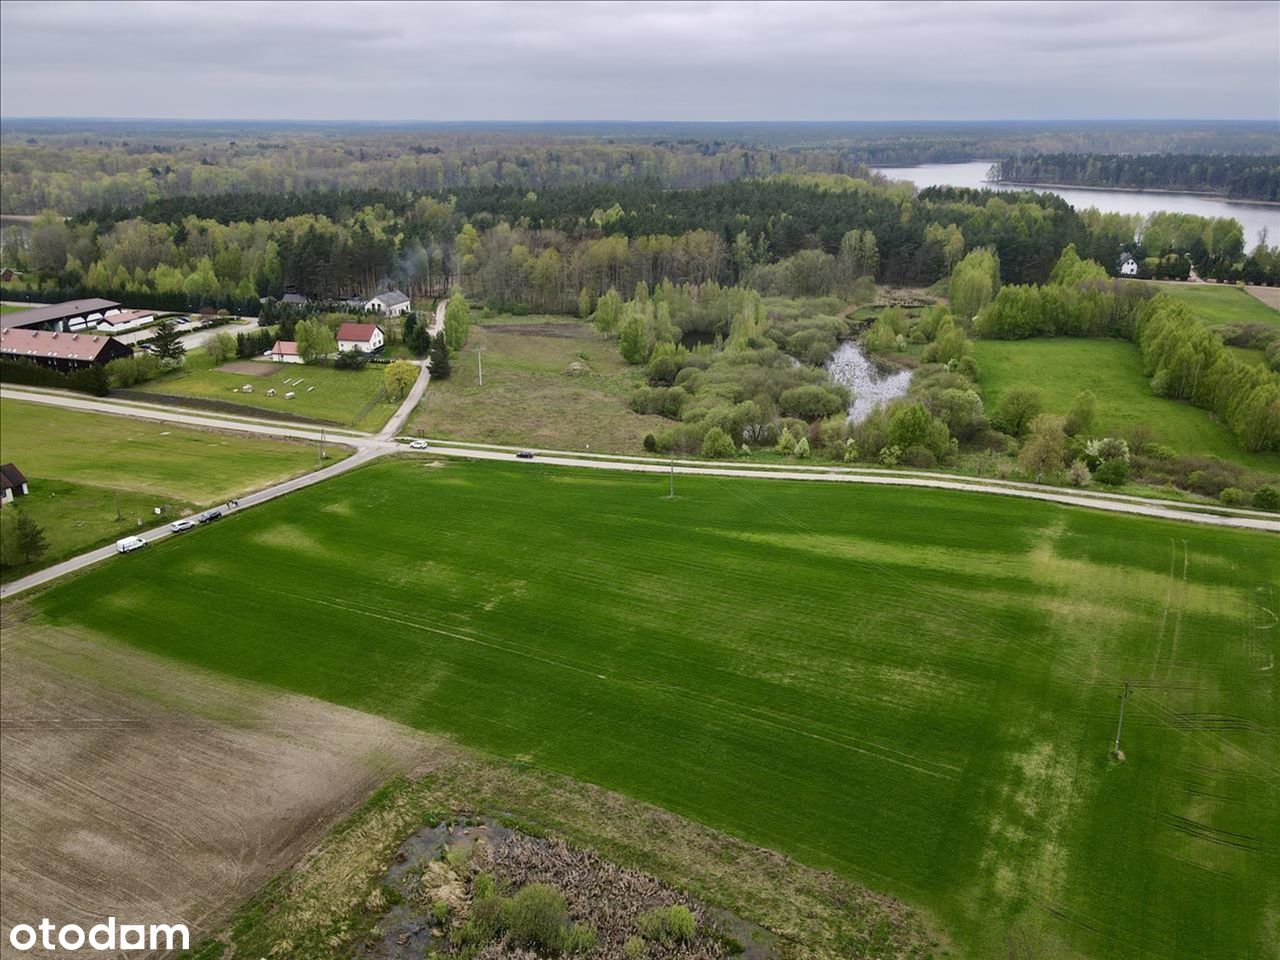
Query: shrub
x=1017, y=408
x=786, y=442
x=1106, y=448
x=535, y=917
x=484, y=886
x=668, y=925
x=802, y=448
x=1079, y=474
x=1267, y=497
x=918, y=456
x=1112, y=472
x=1231, y=496
x=810, y=402
x=890, y=455
x=650, y=442
x=635, y=949
x=717, y=445
x=579, y=939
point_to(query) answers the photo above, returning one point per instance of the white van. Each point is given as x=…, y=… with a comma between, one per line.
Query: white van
x=130, y=543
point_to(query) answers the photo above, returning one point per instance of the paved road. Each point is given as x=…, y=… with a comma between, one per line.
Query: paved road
x=371, y=447
x=397, y=421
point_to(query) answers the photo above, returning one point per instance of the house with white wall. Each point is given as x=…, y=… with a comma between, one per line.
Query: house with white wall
x=392, y=303
x=362, y=337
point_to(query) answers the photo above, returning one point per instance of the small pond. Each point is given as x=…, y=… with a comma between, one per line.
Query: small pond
x=868, y=383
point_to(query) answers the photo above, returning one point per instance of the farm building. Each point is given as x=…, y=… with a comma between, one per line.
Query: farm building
x=60, y=316
x=285, y=351
x=294, y=300
x=12, y=483
x=391, y=303
x=64, y=352
x=364, y=337
x=1127, y=267
x=121, y=321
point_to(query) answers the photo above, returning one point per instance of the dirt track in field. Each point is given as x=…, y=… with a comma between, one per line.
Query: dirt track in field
x=1268, y=295
x=138, y=788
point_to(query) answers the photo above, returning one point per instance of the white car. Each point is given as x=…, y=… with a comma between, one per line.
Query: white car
x=129, y=544
x=184, y=524
x=419, y=445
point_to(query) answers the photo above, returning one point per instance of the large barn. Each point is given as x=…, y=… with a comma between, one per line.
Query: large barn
x=61, y=316
x=63, y=352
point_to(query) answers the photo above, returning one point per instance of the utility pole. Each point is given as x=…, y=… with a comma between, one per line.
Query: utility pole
x=321, y=461
x=671, y=492
x=480, y=363
x=1115, y=750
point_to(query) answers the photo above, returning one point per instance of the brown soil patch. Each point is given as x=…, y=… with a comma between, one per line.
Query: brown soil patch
x=249, y=368
x=1268, y=295
x=143, y=789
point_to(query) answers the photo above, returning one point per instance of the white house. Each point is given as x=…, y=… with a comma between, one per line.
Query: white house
x=1128, y=266
x=285, y=351
x=364, y=337
x=391, y=303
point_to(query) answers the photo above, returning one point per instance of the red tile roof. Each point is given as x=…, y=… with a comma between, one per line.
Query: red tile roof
x=84, y=347
x=286, y=348
x=362, y=332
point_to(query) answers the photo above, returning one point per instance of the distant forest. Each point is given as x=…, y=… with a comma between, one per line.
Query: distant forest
x=1236, y=176
x=72, y=166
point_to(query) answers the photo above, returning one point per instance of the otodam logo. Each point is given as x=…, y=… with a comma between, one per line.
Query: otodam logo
x=108, y=936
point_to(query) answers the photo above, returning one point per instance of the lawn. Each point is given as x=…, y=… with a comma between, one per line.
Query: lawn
x=917, y=689
x=529, y=396
x=84, y=470
x=1061, y=367
x=1217, y=304
x=346, y=398
x=11, y=308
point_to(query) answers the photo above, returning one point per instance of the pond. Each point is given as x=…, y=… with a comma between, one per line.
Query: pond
x=868, y=383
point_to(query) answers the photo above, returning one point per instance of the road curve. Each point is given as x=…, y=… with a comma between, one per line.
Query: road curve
x=369, y=448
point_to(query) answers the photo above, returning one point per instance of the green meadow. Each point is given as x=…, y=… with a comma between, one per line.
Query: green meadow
x=95, y=478
x=1061, y=367
x=917, y=689
x=1217, y=304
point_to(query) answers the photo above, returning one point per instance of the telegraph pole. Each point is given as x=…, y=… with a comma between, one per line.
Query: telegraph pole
x=1115, y=750
x=480, y=363
x=321, y=461
x=671, y=492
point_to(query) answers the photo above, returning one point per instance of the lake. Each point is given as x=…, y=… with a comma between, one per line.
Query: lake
x=1252, y=216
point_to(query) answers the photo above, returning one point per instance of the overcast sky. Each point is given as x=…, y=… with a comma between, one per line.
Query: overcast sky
x=640, y=61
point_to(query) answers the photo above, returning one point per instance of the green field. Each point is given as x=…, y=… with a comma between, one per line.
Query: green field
x=530, y=398
x=11, y=308
x=1061, y=367
x=1217, y=304
x=84, y=469
x=347, y=398
x=917, y=689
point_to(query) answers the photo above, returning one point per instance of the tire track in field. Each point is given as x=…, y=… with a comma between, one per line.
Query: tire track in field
x=775, y=719
x=1075, y=666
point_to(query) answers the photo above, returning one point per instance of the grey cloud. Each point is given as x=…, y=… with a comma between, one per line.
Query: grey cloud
x=680, y=61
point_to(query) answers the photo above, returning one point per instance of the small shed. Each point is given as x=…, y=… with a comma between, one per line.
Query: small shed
x=12, y=483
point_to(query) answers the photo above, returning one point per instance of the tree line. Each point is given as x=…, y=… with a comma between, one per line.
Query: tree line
x=1238, y=176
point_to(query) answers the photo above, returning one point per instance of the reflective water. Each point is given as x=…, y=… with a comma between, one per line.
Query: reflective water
x=1252, y=216
x=868, y=383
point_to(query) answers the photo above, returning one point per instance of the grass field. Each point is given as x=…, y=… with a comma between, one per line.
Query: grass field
x=528, y=398
x=82, y=467
x=917, y=689
x=347, y=398
x=11, y=308
x=1217, y=304
x=1062, y=367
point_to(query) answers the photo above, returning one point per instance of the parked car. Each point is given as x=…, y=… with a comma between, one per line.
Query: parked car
x=186, y=523
x=419, y=445
x=129, y=544
x=211, y=516
x=525, y=455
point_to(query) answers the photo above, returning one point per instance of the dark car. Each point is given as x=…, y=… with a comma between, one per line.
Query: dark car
x=211, y=516
x=524, y=455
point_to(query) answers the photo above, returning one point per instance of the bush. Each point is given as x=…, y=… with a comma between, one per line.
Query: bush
x=1017, y=408
x=802, y=448
x=535, y=917
x=668, y=925
x=635, y=949
x=810, y=402
x=651, y=443
x=920, y=457
x=717, y=445
x=579, y=939
x=1079, y=474
x=1231, y=496
x=1112, y=472
x=1267, y=497
x=484, y=886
